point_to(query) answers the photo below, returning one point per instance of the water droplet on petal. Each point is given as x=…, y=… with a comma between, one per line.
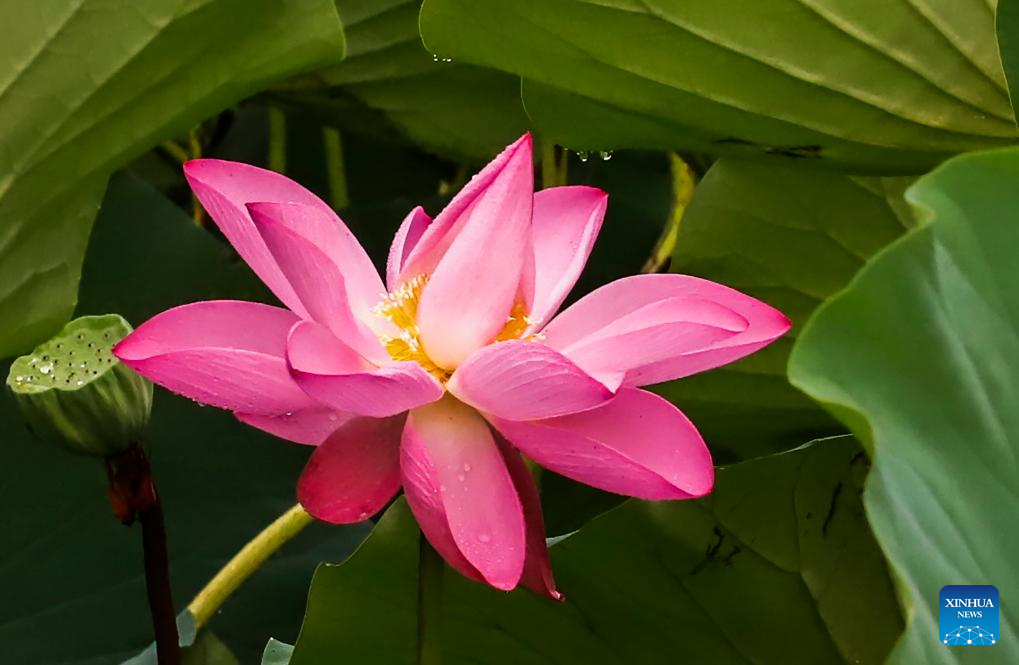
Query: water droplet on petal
x=467, y=467
x=442, y=488
x=460, y=477
x=332, y=417
x=484, y=537
x=363, y=515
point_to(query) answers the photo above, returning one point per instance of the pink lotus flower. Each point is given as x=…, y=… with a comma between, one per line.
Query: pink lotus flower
x=436, y=381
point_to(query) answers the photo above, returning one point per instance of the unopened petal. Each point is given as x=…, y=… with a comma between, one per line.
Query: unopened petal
x=566, y=222
x=475, y=282
x=406, y=238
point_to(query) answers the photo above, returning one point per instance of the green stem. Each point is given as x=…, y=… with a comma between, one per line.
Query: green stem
x=277, y=141
x=245, y=562
x=430, y=570
x=549, y=169
x=175, y=151
x=338, y=192
x=683, y=183
x=134, y=497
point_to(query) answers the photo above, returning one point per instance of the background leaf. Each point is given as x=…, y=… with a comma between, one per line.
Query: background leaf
x=920, y=356
x=71, y=574
x=883, y=85
x=389, y=82
x=791, y=236
x=86, y=86
x=774, y=550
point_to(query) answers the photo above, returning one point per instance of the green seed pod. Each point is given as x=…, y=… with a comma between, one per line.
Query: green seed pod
x=74, y=392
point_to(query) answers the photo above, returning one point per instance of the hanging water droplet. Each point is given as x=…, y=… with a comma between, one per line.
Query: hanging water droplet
x=447, y=60
x=484, y=537
x=584, y=155
x=606, y=155
x=435, y=58
x=363, y=515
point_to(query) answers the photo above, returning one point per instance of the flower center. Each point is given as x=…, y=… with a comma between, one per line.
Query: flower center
x=401, y=307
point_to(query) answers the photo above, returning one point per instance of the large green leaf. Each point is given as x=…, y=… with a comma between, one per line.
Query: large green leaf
x=883, y=84
x=920, y=356
x=71, y=575
x=792, y=237
x=1007, y=28
x=86, y=85
x=452, y=109
x=777, y=567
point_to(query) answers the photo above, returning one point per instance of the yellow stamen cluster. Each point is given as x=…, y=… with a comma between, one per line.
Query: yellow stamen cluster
x=516, y=324
x=401, y=307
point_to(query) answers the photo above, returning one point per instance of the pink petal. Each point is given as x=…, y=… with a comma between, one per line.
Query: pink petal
x=537, y=574
x=407, y=237
x=355, y=472
x=654, y=328
x=471, y=290
x=332, y=373
x=566, y=224
x=314, y=276
x=224, y=188
x=223, y=352
x=522, y=380
x=461, y=492
x=322, y=228
x=309, y=426
x=638, y=444
x=435, y=240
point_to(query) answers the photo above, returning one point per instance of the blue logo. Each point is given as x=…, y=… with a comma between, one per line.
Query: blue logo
x=968, y=614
